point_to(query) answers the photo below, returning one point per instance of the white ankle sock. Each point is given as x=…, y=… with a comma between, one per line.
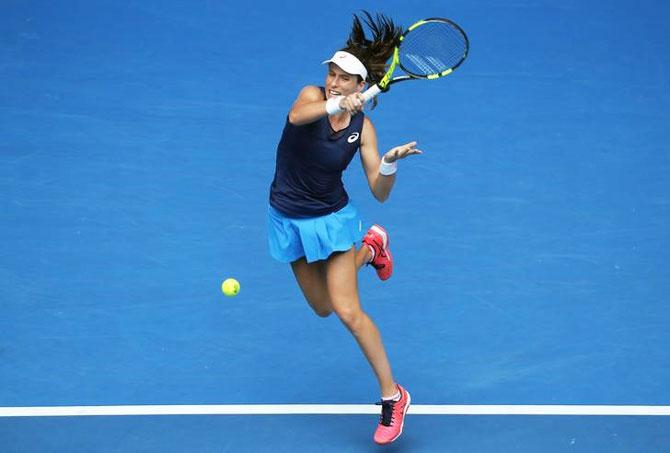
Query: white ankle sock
x=372, y=252
x=395, y=397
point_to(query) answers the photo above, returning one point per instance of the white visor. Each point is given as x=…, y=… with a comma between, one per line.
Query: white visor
x=348, y=63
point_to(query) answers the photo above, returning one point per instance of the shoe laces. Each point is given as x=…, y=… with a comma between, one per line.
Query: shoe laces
x=386, y=418
x=377, y=266
x=372, y=241
x=375, y=262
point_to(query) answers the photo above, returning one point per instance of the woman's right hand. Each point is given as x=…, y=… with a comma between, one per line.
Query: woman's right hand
x=353, y=103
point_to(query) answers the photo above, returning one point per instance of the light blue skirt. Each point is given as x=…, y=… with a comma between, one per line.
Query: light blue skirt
x=315, y=238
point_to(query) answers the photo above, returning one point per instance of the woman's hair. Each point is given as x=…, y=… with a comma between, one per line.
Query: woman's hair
x=374, y=52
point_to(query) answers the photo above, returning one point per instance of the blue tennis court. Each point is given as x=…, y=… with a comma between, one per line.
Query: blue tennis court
x=531, y=239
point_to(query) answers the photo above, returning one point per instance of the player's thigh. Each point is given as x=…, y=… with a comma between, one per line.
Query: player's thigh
x=342, y=283
x=311, y=278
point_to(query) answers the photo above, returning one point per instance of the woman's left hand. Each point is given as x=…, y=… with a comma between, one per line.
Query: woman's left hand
x=400, y=152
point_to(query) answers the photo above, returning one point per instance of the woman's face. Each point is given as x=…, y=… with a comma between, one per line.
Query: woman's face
x=340, y=83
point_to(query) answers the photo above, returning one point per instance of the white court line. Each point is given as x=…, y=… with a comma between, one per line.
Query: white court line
x=329, y=409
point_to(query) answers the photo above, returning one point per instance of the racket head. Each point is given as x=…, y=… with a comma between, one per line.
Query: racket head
x=432, y=48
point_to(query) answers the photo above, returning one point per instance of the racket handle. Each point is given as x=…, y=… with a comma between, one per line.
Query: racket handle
x=371, y=92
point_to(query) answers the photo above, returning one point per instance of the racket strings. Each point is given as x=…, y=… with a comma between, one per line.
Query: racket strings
x=433, y=48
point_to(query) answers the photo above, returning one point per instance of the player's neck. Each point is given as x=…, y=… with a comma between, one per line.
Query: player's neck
x=340, y=121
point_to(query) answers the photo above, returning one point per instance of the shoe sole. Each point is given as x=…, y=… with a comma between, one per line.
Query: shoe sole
x=385, y=244
x=382, y=232
x=388, y=252
x=402, y=425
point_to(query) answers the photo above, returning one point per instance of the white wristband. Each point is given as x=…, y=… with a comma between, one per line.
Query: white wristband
x=387, y=169
x=333, y=105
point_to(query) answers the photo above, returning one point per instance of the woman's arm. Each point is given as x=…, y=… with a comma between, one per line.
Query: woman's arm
x=380, y=185
x=310, y=105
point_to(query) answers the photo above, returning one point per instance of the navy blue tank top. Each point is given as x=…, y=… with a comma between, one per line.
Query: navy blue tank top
x=310, y=162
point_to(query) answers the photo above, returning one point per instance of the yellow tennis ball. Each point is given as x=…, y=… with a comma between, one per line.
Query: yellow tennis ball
x=230, y=287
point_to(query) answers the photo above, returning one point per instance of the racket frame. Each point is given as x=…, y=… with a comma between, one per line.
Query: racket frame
x=386, y=81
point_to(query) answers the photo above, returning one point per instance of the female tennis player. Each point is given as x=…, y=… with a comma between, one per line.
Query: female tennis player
x=312, y=223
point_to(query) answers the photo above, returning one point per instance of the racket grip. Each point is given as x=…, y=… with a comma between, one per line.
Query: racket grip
x=371, y=92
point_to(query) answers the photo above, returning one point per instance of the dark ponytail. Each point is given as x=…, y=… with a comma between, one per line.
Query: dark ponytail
x=374, y=52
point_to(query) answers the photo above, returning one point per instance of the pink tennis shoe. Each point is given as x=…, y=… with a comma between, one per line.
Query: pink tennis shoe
x=377, y=239
x=393, y=418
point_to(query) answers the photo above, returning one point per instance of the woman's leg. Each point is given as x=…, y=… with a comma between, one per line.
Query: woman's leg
x=363, y=256
x=311, y=278
x=341, y=279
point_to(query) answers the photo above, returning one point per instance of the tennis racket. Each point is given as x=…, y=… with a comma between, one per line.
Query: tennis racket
x=429, y=49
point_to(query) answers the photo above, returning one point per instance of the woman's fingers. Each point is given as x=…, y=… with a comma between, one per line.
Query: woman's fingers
x=353, y=103
x=402, y=151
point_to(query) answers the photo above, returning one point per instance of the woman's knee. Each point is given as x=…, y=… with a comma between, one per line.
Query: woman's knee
x=350, y=315
x=321, y=309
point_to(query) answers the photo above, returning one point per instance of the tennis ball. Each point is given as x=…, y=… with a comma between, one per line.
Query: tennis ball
x=230, y=287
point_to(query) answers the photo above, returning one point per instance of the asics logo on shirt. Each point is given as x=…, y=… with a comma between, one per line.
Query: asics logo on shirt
x=353, y=137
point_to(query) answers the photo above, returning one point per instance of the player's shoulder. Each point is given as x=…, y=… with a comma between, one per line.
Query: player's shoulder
x=367, y=124
x=368, y=132
x=311, y=93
